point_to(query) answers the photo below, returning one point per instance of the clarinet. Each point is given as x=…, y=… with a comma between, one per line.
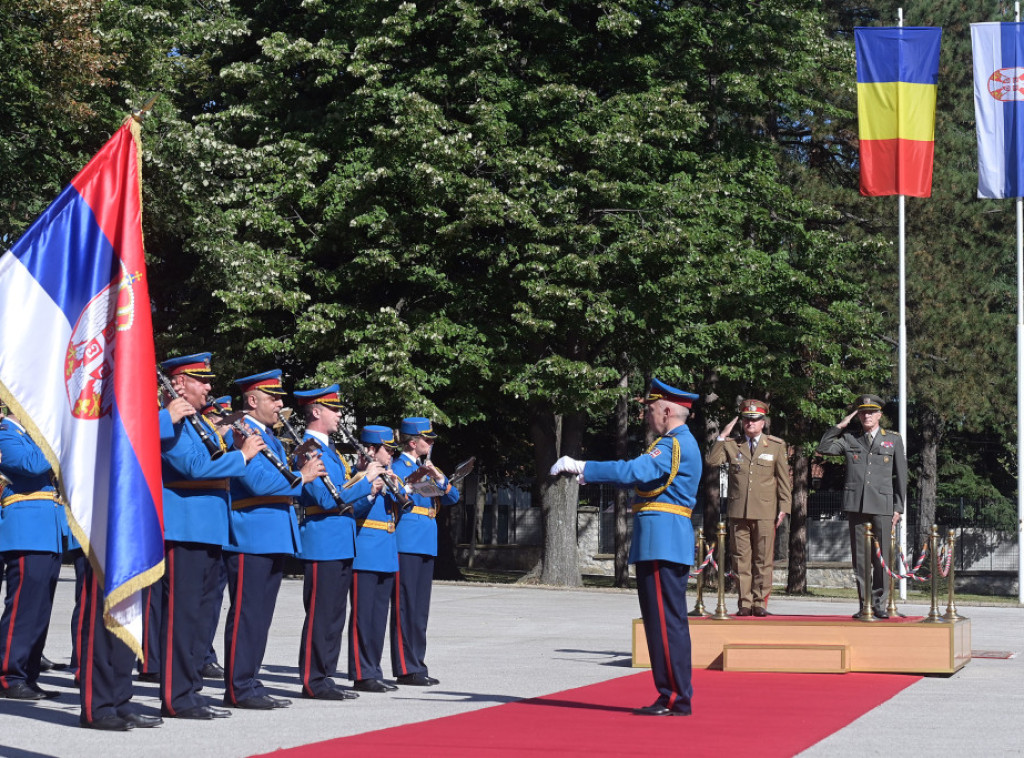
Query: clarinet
x=235, y=420
x=335, y=495
x=216, y=451
x=396, y=490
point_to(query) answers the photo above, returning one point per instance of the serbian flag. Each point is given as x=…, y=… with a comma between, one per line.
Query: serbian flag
x=77, y=368
x=897, y=71
x=998, y=99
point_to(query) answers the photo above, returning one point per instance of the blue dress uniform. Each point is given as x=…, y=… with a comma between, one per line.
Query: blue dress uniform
x=666, y=479
x=263, y=530
x=214, y=598
x=328, y=548
x=196, y=507
x=373, y=579
x=416, y=535
x=33, y=526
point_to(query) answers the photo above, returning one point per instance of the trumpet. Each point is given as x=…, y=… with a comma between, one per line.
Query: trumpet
x=303, y=450
x=234, y=420
x=213, y=446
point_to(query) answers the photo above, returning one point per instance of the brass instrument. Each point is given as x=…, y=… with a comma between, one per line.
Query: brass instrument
x=302, y=452
x=390, y=480
x=234, y=420
x=212, y=445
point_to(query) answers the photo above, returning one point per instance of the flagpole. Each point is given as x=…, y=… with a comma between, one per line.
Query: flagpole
x=1020, y=382
x=902, y=390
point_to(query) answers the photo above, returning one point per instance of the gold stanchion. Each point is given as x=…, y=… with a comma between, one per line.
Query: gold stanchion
x=867, y=610
x=698, y=608
x=933, y=548
x=951, y=614
x=721, y=614
x=894, y=562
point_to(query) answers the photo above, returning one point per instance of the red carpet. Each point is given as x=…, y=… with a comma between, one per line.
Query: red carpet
x=822, y=619
x=747, y=714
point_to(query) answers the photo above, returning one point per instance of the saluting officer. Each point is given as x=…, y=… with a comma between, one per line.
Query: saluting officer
x=665, y=479
x=760, y=496
x=328, y=546
x=196, y=508
x=33, y=528
x=416, y=534
x=264, y=530
x=374, y=567
x=876, y=490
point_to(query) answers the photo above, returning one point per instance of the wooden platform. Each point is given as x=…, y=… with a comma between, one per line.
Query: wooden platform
x=813, y=644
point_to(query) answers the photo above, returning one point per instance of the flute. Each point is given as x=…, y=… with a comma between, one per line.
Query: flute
x=236, y=423
x=300, y=450
x=214, y=447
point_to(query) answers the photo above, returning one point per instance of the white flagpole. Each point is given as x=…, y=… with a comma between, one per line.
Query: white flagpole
x=1020, y=384
x=902, y=391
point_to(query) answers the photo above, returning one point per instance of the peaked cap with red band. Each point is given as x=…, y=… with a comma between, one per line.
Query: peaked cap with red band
x=328, y=396
x=268, y=381
x=196, y=365
x=753, y=409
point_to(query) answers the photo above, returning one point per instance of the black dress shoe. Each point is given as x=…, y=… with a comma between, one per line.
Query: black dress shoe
x=197, y=713
x=218, y=713
x=152, y=676
x=19, y=690
x=657, y=710
x=141, y=720
x=432, y=681
x=49, y=694
x=743, y=612
x=881, y=615
x=759, y=611
x=257, y=703
x=858, y=615
x=212, y=671
x=334, y=693
x=111, y=723
x=45, y=664
x=280, y=702
x=372, y=685
x=414, y=680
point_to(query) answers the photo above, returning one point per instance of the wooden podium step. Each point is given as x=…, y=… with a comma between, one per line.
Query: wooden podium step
x=806, y=658
x=822, y=643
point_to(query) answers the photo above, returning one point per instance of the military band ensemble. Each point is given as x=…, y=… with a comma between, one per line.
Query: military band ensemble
x=237, y=504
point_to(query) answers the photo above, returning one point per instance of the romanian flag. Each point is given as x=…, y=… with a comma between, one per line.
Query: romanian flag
x=897, y=71
x=77, y=368
x=999, y=107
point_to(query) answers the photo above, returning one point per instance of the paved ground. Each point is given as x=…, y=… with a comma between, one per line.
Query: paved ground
x=494, y=644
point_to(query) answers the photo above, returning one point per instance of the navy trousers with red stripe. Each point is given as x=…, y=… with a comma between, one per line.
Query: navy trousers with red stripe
x=31, y=582
x=152, y=604
x=105, y=663
x=661, y=586
x=324, y=595
x=190, y=569
x=371, y=596
x=253, y=583
x=80, y=563
x=410, y=610
x=213, y=599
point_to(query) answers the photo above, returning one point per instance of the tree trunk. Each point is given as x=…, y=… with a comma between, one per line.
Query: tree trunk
x=928, y=473
x=553, y=436
x=622, y=496
x=796, y=581
x=478, y=518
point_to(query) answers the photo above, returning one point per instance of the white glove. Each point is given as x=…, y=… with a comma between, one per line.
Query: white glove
x=567, y=465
